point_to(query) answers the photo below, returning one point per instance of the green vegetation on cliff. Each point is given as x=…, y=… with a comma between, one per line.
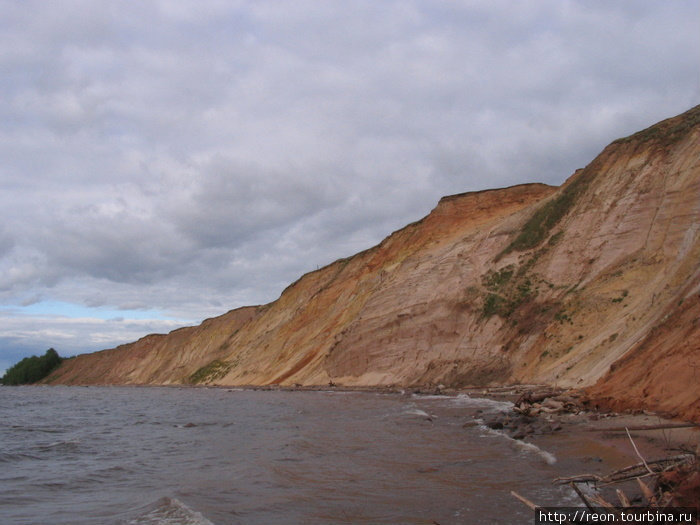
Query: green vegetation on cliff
x=507, y=290
x=211, y=372
x=667, y=131
x=32, y=369
x=540, y=224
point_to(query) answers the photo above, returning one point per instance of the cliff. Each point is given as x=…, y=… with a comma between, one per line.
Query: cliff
x=592, y=284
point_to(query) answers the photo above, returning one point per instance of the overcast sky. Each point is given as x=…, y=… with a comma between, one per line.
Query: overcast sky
x=165, y=161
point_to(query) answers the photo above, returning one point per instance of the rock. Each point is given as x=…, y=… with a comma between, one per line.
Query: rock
x=518, y=435
x=552, y=404
x=415, y=305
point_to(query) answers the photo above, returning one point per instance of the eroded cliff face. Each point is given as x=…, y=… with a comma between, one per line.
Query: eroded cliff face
x=596, y=281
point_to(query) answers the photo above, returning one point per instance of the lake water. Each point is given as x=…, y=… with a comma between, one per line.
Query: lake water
x=126, y=455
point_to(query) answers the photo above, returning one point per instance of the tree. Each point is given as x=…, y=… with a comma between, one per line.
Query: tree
x=32, y=369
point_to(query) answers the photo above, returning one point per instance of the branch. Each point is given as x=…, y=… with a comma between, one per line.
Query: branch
x=637, y=451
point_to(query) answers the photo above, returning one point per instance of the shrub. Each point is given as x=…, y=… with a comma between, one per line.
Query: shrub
x=495, y=281
x=211, y=372
x=538, y=227
x=496, y=305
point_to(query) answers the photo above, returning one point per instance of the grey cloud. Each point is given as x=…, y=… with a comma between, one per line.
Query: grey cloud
x=25, y=335
x=191, y=157
x=7, y=241
x=233, y=202
x=122, y=247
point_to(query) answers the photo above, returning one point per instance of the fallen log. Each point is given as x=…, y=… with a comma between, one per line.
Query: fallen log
x=646, y=492
x=582, y=496
x=667, y=426
x=581, y=478
x=524, y=500
x=532, y=505
x=531, y=397
x=633, y=471
x=624, y=500
x=597, y=498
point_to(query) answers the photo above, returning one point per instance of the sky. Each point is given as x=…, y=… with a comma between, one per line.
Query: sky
x=162, y=162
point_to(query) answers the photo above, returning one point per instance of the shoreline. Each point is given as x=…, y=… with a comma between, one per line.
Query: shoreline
x=509, y=393
x=549, y=419
x=587, y=418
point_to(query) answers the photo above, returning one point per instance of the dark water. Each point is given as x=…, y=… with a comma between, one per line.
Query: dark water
x=72, y=455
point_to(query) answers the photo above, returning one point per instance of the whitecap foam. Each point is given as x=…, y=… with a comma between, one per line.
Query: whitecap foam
x=548, y=457
x=524, y=446
x=481, y=402
x=168, y=511
x=69, y=444
x=430, y=396
x=416, y=412
x=411, y=410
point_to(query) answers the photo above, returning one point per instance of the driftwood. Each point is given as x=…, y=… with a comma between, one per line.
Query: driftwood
x=624, y=501
x=534, y=402
x=634, y=445
x=646, y=492
x=581, y=478
x=597, y=498
x=524, y=500
x=633, y=471
x=548, y=401
x=532, y=397
x=582, y=496
x=663, y=499
x=667, y=426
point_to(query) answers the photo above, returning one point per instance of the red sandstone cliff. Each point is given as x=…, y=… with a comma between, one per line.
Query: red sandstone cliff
x=595, y=283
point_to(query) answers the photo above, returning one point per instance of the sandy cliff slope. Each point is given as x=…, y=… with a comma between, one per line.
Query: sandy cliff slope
x=596, y=282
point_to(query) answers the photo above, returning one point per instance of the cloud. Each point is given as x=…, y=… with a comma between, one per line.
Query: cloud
x=191, y=157
x=24, y=335
x=234, y=202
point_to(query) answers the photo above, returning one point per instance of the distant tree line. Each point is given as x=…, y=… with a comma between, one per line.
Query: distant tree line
x=32, y=369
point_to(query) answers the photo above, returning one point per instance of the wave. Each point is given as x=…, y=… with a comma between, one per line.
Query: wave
x=167, y=511
x=524, y=446
x=430, y=396
x=548, y=457
x=8, y=457
x=481, y=402
x=67, y=445
x=47, y=430
x=417, y=412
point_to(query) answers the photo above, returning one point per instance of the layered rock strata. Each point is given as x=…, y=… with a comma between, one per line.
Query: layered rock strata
x=595, y=283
